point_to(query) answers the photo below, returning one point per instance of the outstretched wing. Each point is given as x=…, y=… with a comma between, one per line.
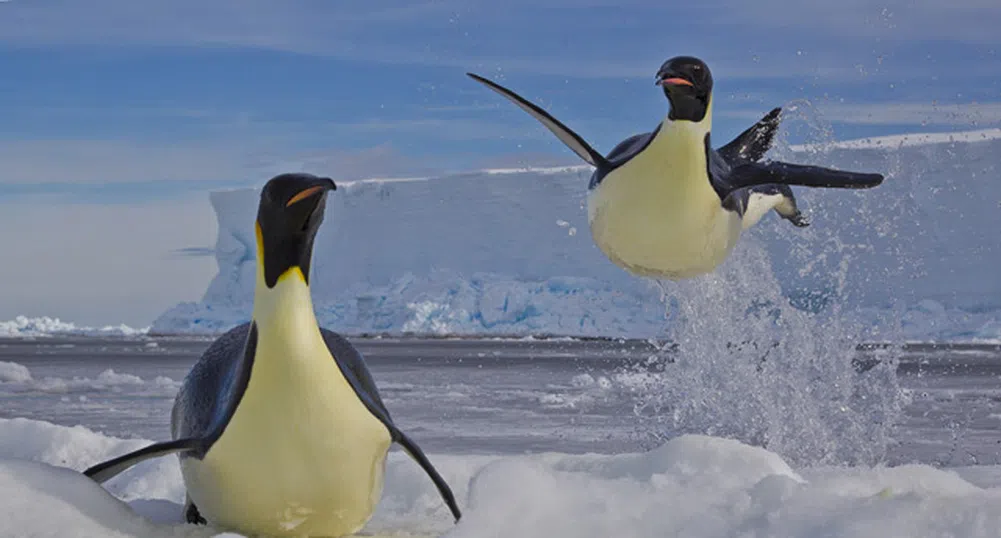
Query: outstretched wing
x=564, y=133
x=354, y=369
x=206, y=401
x=107, y=470
x=418, y=455
x=780, y=173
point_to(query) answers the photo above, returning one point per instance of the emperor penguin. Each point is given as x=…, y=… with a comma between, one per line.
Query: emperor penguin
x=279, y=427
x=665, y=204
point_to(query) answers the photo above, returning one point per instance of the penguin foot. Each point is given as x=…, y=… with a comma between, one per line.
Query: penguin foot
x=191, y=515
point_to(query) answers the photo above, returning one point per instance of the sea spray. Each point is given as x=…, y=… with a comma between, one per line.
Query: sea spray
x=748, y=365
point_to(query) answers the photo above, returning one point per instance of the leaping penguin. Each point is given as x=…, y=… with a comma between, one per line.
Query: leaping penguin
x=665, y=204
x=279, y=426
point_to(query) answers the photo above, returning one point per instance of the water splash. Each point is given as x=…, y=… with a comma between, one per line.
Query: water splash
x=746, y=364
x=804, y=123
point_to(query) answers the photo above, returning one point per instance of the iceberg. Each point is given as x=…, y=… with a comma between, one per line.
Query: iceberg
x=508, y=252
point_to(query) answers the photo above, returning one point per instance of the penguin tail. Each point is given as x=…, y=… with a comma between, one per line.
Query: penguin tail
x=102, y=472
x=751, y=145
x=566, y=135
x=418, y=455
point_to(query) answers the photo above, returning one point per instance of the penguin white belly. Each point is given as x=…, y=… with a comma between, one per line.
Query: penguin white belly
x=658, y=215
x=302, y=455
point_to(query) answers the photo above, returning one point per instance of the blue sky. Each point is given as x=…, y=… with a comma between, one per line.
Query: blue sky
x=118, y=104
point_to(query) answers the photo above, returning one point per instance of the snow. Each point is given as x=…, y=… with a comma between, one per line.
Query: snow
x=17, y=378
x=691, y=485
x=45, y=326
x=508, y=252
x=12, y=372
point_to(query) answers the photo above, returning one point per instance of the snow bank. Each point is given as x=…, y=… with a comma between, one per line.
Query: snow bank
x=16, y=378
x=509, y=251
x=46, y=326
x=690, y=486
x=12, y=372
x=42, y=500
x=704, y=486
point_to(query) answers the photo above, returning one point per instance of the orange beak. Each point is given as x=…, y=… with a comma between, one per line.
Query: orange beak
x=675, y=81
x=306, y=193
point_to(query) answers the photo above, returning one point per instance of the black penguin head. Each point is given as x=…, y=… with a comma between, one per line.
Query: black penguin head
x=288, y=217
x=688, y=85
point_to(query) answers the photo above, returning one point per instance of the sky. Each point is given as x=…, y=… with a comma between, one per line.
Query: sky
x=119, y=116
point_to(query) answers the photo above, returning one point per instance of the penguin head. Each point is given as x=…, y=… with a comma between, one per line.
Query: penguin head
x=688, y=85
x=288, y=218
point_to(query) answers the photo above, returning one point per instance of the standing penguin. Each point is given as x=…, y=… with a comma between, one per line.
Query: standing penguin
x=665, y=204
x=279, y=426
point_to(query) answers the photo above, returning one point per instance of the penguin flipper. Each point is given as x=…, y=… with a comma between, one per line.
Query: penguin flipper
x=418, y=455
x=102, y=472
x=566, y=135
x=752, y=144
x=780, y=173
x=353, y=367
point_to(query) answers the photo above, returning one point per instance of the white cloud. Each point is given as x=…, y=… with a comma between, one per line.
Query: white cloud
x=477, y=35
